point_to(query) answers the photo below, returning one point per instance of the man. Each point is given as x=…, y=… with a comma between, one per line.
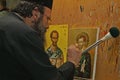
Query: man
x=54, y=52
x=3, y=8
x=22, y=55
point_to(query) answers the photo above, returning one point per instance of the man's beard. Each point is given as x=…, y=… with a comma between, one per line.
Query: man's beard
x=54, y=44
x=40, y=28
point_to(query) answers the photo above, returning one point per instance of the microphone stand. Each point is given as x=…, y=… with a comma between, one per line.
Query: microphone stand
x=95, y=58
x=92, y=46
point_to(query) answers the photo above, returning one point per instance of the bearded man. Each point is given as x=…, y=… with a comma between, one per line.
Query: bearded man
x=22, y=54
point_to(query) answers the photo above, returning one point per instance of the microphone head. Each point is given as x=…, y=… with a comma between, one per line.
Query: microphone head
x=114, y=32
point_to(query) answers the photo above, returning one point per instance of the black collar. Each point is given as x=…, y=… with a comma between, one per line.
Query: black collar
x=20, y=17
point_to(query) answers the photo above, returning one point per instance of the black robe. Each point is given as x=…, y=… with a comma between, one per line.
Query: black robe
x=22, y=55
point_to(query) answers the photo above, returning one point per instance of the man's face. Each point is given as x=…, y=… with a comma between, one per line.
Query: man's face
x=54, y=38
x=42, y=23
x=46, y=17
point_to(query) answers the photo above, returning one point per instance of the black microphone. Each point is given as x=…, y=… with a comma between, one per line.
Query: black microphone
x=113, y=32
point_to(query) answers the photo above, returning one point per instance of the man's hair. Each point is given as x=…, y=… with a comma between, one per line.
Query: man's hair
x=46, y=3
x=54, y=31
x=24, y=8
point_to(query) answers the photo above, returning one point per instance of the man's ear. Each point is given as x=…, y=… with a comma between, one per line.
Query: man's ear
x=36, y=13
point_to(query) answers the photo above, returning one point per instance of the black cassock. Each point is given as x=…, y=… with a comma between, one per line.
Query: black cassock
x=22, y=55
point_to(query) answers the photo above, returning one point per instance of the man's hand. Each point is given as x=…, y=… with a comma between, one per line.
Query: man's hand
x=74, y=54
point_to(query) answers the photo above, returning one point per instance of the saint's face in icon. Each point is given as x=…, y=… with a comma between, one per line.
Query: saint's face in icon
x=82, y=41
x=54, y=38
